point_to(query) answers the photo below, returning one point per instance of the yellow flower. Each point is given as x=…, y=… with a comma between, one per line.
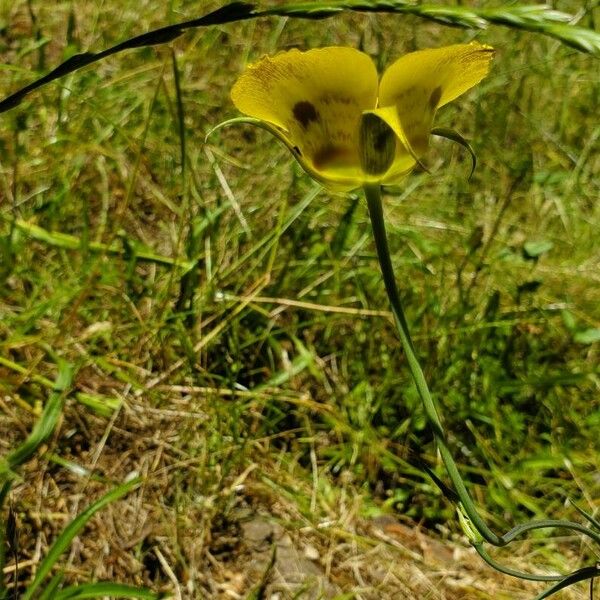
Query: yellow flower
x=344, y=126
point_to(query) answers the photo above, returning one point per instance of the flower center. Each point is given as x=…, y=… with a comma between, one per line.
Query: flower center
x=377, y=145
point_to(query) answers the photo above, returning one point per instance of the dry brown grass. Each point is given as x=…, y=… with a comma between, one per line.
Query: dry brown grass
x=218, y=545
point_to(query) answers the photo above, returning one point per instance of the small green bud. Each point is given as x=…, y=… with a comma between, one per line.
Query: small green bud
x=467, y=526
x=377, y=145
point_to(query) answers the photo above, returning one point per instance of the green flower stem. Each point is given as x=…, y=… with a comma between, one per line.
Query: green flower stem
x=373, y=195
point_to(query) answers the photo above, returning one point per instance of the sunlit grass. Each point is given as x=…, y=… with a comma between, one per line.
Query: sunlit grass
x=230, y=398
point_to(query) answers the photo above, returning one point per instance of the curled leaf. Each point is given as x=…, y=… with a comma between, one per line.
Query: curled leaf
x=454, y=136
x=275, y=131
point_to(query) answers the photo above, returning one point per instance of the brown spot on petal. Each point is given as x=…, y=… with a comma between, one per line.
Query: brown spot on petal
x=305, y=113
x=435, y=97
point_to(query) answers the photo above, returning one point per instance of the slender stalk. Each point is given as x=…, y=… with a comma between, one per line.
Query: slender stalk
x=373, y=195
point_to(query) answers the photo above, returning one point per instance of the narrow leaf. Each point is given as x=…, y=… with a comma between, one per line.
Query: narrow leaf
x=586, y=515
x=539, y=19
x=64, y=539
x=275, y=132
x=50, y=592
x=45, y=425
x=454, y=136
x=101, y=589
x=575, y=577
x=71, y=242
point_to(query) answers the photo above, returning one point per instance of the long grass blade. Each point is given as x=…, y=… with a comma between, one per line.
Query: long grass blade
x=59, y=239
x=538, y=19
x=454, y=136
x=580, y=575
x=45, y=425
x=595, y=523
x=101, y=589
x=49, y=592
x=64, y=539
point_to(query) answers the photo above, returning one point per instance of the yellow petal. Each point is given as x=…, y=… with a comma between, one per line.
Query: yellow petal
x=404, y=161
x=418, y=83
x=452, y=69
x=404, y=150
x=403, y=164
x=317, y=98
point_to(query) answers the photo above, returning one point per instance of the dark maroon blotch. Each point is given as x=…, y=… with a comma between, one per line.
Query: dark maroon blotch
x=305, y=113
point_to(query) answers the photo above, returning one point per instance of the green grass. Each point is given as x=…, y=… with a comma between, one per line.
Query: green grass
x=268, y=379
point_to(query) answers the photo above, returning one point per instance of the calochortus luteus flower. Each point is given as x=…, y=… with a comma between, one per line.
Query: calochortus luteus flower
x=346, y=128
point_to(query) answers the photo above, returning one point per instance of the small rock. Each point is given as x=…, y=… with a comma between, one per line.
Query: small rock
x=311, y=552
